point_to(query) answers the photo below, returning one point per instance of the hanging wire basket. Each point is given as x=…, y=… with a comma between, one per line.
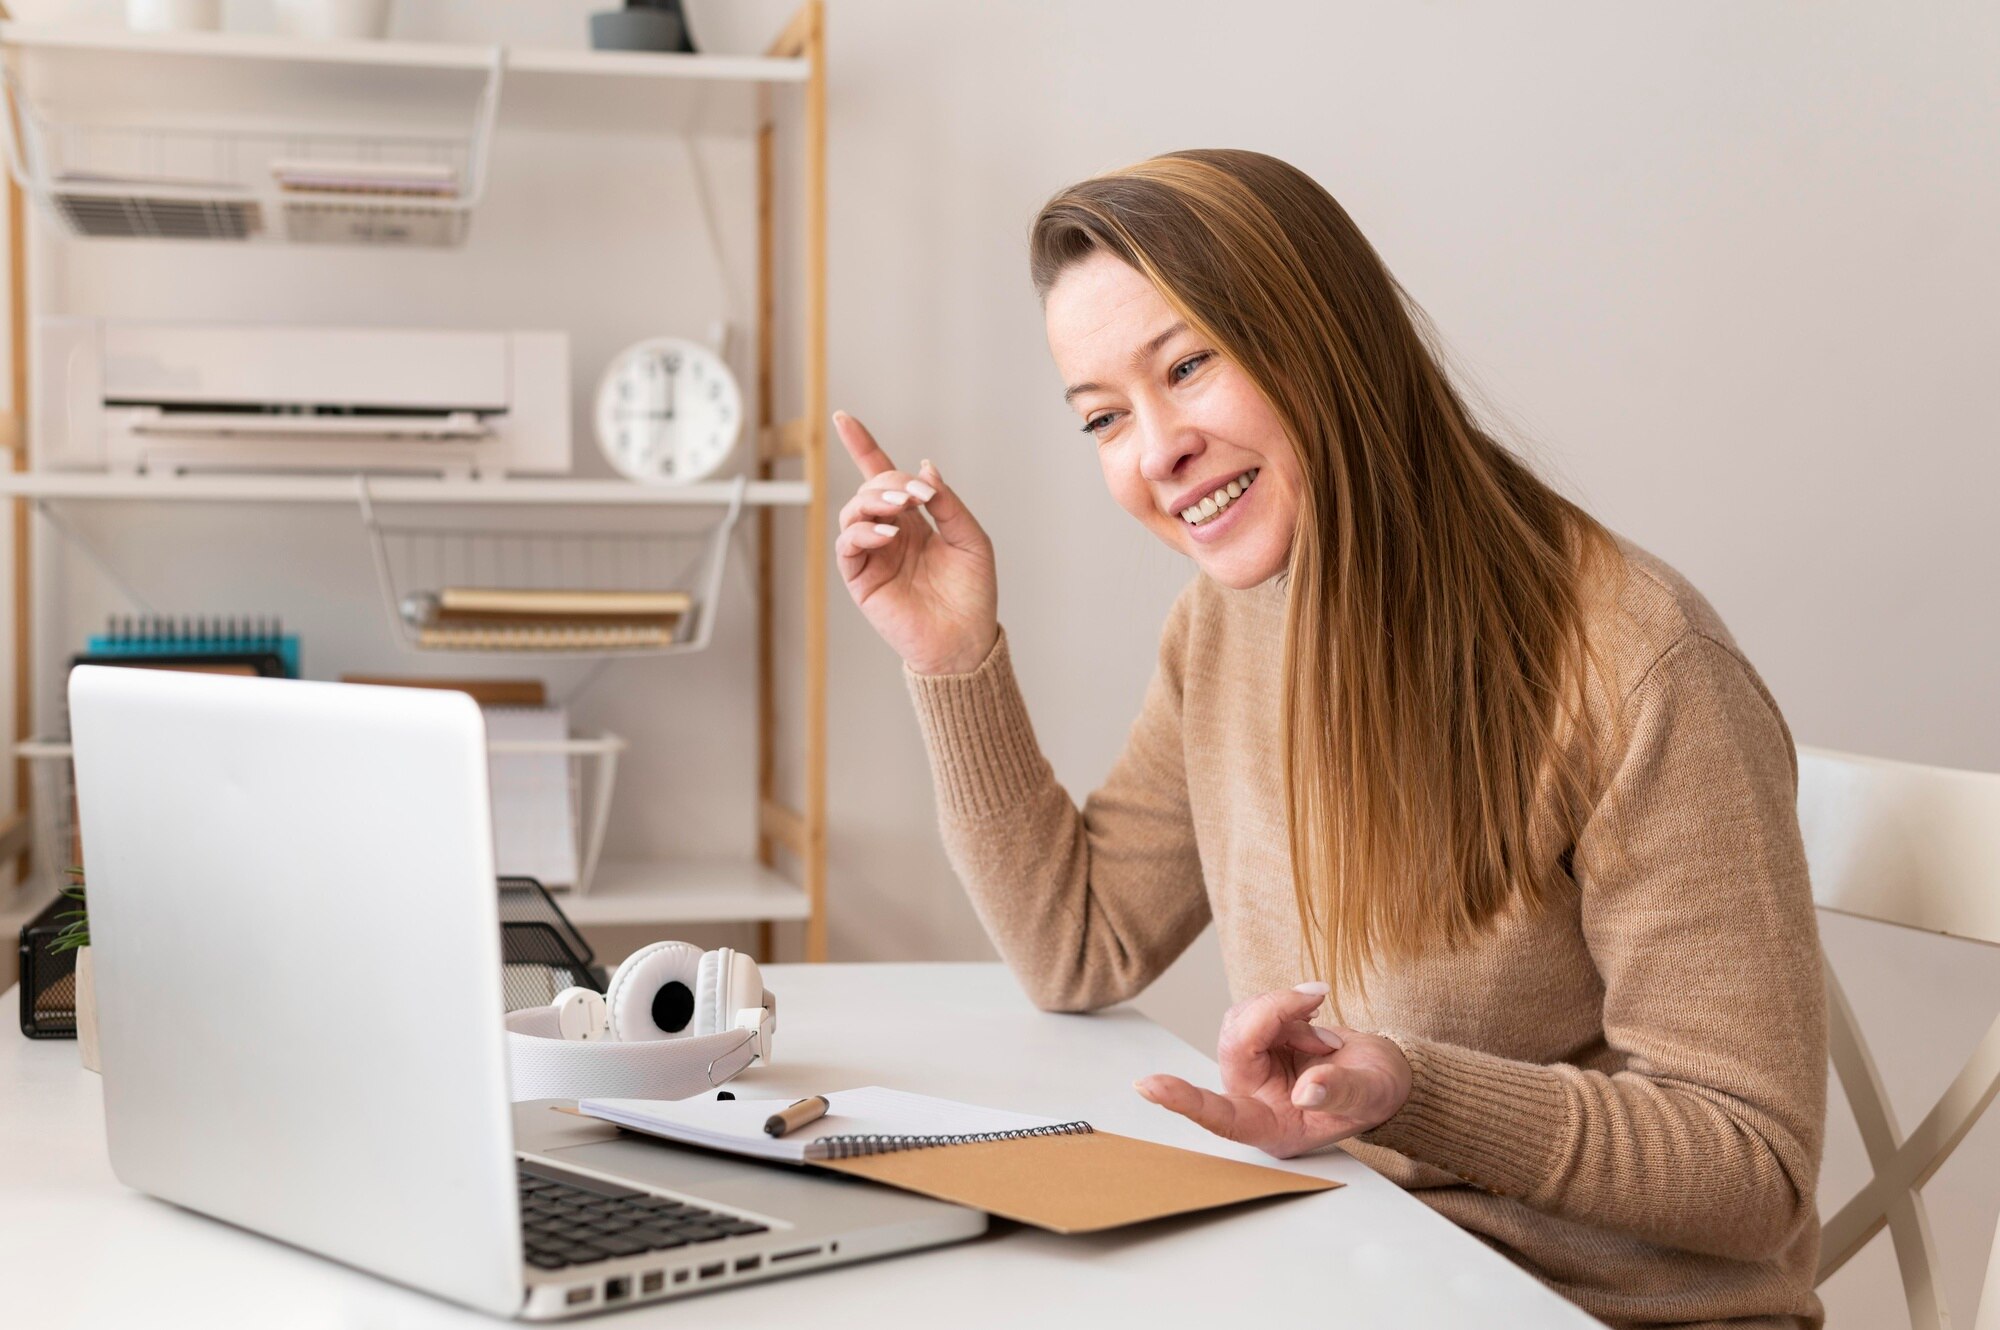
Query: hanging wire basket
x=573, y=589
x=246, y=181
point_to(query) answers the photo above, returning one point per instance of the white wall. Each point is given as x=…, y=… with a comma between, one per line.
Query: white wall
x=1728, y=269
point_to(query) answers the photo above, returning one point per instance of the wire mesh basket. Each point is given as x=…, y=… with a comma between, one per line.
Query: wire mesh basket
x=590, y=767
x=56, y=847
x=541, y=951
x=237, y=178
x=551, y=590
x=48, y=977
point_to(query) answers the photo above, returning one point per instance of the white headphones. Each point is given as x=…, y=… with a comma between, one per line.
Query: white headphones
x=675, y=1021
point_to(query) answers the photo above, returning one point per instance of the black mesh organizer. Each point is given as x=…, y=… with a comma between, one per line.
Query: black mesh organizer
x=48, y=979
x=541, y=952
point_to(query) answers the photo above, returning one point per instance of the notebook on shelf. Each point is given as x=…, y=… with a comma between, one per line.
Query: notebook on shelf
x=1061, y=1175
x=528, y=619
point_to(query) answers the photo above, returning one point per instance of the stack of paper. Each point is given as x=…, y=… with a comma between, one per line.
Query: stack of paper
x=738, y=1125
x=402, y=179
x=1059, y=1175
x=534, y=804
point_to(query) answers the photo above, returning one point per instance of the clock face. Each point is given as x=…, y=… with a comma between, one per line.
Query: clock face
x=668, y=411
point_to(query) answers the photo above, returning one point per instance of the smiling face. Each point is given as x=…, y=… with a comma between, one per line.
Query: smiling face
x=1181, y=432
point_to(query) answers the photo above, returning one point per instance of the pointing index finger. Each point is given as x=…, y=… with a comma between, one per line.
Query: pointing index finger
x=861, y=446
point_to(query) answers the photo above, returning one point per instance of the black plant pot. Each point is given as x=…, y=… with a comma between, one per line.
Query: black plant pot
x=643, y=25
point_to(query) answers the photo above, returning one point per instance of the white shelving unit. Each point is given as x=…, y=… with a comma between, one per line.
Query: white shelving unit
x=229, y=102
x=122, y=133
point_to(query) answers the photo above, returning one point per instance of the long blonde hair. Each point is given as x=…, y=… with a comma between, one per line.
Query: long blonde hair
x=1435, y=718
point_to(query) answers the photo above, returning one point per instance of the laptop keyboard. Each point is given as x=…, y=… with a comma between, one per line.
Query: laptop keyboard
x=567, y=1219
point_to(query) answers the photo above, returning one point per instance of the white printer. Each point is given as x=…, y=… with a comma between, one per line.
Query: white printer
x=132, y=397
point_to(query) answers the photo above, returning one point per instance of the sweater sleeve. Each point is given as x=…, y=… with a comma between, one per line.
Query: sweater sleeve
x=1697, y=911
x=1086, y=907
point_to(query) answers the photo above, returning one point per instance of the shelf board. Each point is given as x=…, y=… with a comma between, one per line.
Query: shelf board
x=96, y=486
x=685, y=892
x=109, y=73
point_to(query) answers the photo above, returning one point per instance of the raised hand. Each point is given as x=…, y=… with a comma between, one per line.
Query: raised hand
x=931, y=594
x=1290, y=1086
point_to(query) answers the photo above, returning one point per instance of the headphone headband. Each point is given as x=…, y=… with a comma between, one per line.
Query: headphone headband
x=681, y=1021
x=547, y=1066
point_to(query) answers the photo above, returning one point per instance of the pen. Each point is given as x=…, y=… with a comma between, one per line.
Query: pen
x=796, y=1116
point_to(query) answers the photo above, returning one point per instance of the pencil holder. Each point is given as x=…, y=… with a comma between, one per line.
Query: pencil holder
x=541, y=951
x=48, y=978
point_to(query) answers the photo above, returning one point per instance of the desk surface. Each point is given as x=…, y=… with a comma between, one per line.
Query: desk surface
x=79, y=1249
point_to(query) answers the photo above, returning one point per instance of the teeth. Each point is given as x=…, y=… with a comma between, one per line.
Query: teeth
x=1196, y=514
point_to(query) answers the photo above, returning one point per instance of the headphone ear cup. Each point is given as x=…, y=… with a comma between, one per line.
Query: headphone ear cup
x=746, y=987
x=581, y=1014
x=655, y=993
x=710, y=990
x=727, y=982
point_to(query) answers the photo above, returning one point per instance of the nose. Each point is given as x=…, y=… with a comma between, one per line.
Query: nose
x=1167, y=446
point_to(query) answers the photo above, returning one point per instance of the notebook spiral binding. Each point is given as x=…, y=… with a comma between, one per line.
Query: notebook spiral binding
x=856, y=1147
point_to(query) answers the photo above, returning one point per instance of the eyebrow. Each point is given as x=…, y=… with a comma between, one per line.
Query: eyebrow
x=1139, y=357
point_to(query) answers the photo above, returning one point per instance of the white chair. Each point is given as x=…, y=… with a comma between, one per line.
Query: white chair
x=1919, y=847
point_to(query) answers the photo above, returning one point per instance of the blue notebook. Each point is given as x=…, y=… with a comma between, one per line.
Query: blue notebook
x=195, y=637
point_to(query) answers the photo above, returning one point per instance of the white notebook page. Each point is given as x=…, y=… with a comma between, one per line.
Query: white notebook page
x=737, y=1125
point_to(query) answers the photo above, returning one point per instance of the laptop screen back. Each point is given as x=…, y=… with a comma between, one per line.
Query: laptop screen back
x=293, y=921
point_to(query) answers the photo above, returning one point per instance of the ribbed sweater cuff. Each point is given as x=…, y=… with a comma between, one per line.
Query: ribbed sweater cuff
x=1488, y=1120
x=984, y=758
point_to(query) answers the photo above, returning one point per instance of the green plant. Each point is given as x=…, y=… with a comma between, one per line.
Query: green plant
x=76, y=923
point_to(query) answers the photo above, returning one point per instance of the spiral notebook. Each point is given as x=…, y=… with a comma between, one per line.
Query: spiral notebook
x=1057, y=1174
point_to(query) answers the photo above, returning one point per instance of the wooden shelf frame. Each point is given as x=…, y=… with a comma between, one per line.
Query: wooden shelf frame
x=798, y=57
x=800, y=832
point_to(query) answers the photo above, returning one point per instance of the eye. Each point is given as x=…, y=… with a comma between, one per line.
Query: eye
x=1097, y=423
x=1180, y=372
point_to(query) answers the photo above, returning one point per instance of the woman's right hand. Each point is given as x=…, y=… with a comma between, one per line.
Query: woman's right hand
x=932, y=595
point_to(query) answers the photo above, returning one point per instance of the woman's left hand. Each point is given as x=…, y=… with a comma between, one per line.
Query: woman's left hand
x=1290, y=1086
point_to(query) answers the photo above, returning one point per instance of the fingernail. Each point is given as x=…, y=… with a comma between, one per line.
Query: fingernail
x=886, y=528
x=1144, y=1093
x=923, y=492
x=1314, y=989
x=896, y=496
x=1329, y=1038
x=928, y=465
x=837, y=415
x=1310, y=1095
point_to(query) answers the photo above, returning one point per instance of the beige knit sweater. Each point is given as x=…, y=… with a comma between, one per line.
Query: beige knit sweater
x=1626, y=1095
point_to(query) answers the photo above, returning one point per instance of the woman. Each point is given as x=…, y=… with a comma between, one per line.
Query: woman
x=1425, y=743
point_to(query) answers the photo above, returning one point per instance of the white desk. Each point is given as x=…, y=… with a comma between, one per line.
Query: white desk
x=78, y=1249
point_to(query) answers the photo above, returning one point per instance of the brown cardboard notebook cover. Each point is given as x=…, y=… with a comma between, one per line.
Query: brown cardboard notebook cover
x=1076, y=1183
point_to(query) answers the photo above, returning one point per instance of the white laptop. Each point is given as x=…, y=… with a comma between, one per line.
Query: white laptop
x=294, y=918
